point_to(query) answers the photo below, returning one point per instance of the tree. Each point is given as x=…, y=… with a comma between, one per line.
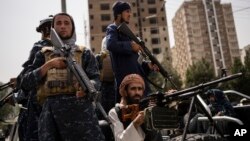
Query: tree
x=158, y=79
x=241, y=84
x=199, y=72
x=7, y=111
x=173, y=74
x=247, y=61
x=237, y=83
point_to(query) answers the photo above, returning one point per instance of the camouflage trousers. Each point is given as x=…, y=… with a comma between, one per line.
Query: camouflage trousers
x=28, y=119
x=34, y=110
x=22, y=121
x=67, y=118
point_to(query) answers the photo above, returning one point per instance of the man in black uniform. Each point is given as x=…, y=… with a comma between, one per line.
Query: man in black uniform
x=67, y=113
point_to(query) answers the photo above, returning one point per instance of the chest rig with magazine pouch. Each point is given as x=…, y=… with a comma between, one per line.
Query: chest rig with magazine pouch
x=58, y=81
x=106, y=73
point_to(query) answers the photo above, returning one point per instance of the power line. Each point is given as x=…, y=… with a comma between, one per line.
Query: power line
x=241, y=9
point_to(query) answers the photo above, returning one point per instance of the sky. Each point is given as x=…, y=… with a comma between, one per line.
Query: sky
x=19, y=19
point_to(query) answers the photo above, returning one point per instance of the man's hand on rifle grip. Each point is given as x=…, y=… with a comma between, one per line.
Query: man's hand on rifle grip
x=135, y=47
x=153, y=67
x=139, y=120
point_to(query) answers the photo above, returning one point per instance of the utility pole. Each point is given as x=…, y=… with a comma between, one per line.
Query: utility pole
x=139, y=18
x=63, y=4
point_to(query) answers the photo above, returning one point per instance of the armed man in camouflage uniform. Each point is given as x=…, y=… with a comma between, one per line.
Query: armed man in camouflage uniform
x=28, y=118
x=67, y=112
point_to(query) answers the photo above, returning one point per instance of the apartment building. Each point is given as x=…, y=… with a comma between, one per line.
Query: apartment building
x=243, y=52
x=148, y=21
x=204, y=29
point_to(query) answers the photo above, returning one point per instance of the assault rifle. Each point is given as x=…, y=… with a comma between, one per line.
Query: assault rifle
x=9, y=96
x=7, y=99
x=125, y=30
x=78, y=72
x=6, y=85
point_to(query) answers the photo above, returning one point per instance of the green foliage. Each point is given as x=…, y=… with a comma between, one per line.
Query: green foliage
x=247, y=61
x=7, y=111
x=198, y=73
x=158, y=79
x=173, y=74
x=176, y=79
x=241, y=84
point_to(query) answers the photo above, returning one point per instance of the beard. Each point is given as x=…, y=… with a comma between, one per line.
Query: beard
x=65, y=38
x=122, y=20
x=134, y=99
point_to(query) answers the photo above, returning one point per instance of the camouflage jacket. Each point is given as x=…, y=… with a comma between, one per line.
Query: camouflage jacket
x=32, y=77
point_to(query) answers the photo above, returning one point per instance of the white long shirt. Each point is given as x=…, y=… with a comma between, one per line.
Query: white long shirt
x=121, y=134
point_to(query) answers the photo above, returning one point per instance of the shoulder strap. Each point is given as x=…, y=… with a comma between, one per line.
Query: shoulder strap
x=46, y=49
x=119, y=113
x=81, y=48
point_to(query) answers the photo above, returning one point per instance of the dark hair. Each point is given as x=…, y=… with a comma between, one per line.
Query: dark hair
x=119, y=7
x=71, y=19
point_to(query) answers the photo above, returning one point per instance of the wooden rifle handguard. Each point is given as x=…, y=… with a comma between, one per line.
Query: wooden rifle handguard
x=130, y=112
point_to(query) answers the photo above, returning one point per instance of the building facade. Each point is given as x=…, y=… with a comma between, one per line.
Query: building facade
x=148, y=21
x=243, y=52
x=204, y=29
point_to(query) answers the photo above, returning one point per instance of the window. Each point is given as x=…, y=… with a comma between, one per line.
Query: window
x=104, y=28
x=155, y=40
x=91, y=17
x=230, y=29
x=152, y=20
x=90, y=6
x=151, y=1
x=154, y=30
x=105, y=17
x=156, y=50
x=152, y=11
x=133, y=4
x=105, y=6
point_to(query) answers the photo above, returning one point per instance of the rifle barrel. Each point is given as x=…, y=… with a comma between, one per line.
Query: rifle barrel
x=6, y=85
x=203, y=85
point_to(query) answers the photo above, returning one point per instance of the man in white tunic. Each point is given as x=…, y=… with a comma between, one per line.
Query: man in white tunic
x=131, y=90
